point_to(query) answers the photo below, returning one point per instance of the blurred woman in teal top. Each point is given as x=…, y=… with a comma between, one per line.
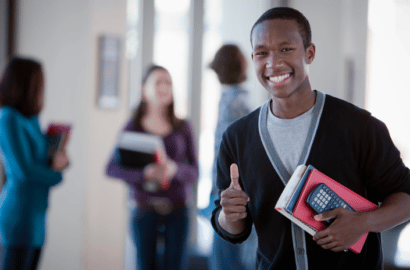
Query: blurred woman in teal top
x=23, y=149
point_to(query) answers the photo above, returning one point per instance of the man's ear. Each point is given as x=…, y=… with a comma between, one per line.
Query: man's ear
x=310, y=53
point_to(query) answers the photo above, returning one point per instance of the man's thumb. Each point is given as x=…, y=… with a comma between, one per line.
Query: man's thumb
x=235, y=177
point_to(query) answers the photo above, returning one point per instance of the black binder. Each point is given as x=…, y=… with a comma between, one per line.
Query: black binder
x=137, y=149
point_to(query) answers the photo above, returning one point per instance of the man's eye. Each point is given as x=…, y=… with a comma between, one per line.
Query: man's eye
x=287, y=49
x=261, y=53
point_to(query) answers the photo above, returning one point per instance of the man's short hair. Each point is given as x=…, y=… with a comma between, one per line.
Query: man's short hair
x=287, y=13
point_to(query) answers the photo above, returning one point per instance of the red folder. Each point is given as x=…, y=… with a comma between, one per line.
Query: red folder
x=357, y=202
x=58, y=129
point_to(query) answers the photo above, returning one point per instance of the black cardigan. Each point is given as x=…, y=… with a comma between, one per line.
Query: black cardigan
x=350, y=146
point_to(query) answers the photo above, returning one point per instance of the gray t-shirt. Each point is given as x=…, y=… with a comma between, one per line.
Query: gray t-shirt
x=289, y=136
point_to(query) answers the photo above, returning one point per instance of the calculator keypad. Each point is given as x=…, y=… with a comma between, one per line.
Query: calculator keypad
x=323, y=199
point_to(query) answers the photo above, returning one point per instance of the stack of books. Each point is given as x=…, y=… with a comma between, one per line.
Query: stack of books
x=56, y=134
x=292, y=202
x=139, y=149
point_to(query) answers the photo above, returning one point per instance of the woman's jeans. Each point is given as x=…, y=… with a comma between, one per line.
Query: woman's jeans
x=20, y=258
x=144, y=231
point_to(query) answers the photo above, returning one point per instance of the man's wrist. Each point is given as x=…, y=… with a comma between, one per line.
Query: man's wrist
x=367, y=221
x=231, y=227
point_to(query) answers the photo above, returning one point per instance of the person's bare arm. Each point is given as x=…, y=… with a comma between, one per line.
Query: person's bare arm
x=349, y=226
x=394, y=210
x=233, y=201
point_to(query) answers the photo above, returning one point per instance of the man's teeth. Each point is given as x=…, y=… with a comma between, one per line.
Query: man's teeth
x=278, y=79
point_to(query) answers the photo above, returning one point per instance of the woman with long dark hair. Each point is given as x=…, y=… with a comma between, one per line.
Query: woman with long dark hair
x=166, y=207
x=23, y=148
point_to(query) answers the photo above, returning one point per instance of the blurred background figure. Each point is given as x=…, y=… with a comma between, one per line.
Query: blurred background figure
x=230, y=66
x=23, y=146
x=162, y=208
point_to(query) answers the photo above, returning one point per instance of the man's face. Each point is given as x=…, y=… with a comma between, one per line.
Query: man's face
x=280, y=60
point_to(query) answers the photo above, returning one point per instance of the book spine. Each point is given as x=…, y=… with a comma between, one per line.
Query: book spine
x=298, y=222
x=290, y=186
x=298, y=190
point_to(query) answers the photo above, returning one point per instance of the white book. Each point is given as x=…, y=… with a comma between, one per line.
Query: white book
x=140, y=142
x=283, y=204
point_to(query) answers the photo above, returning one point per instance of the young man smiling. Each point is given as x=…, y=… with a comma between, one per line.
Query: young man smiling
x=296, y=126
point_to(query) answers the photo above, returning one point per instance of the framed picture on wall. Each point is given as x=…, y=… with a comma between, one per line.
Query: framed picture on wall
x=109, y=52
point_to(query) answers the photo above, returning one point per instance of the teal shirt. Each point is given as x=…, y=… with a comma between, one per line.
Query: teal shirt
x=24, y=198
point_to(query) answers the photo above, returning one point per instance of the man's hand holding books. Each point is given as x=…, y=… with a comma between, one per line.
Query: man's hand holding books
x=344, y=230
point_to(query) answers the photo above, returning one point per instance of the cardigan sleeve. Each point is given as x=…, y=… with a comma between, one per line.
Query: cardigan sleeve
x=383, y=170
x=187, y=171
x=225, y=159
x=19, y=162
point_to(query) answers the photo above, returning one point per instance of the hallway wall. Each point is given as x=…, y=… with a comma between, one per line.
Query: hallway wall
x=105, y=198
x=85, y=218
x=339, y=31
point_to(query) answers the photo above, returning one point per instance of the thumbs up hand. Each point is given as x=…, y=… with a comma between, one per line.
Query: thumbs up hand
x=235, y=177
x=233, y=200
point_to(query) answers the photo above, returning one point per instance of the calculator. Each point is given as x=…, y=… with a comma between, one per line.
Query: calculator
x=322, y=199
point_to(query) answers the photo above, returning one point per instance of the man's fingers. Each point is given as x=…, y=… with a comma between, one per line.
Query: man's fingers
x=226, y=201
x=235, y=177
x=331, y=245
x=236, y=205
x=232, y=193
x=326, y=240
x=327, y=215
x=338, y=248
x=235, y=209
x=321, y=234
x=235, y=216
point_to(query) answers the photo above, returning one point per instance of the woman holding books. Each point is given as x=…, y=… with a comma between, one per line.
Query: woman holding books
x=23, y=147
x=160, y=189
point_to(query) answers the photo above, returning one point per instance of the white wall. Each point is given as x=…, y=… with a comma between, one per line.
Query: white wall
x=58, y=34
x=85, y=218
x=105, y=198
x=238, y=18
x=339, y=31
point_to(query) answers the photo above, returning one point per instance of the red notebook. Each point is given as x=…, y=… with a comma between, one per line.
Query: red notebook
x=57, y=134
x=357, y=202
